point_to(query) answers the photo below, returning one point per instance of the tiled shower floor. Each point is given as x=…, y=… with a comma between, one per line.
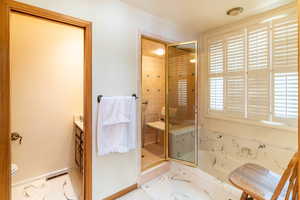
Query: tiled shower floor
x=152, y=153
x=59, y=188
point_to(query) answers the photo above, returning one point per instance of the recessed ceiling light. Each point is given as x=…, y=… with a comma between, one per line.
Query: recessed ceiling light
x=235, y=11
x=274, y=17
x=159, y=52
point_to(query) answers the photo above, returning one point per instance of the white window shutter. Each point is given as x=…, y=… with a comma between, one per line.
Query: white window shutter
x=258, y=81
x=258, y=95
x=235, y=77
x=285, y=43
x=216, y=56
x=286, y=95
x=235, y=52
x=235, y=96
x=216, y=95
x=258, y=47
x=253, y=71
x=285, y=69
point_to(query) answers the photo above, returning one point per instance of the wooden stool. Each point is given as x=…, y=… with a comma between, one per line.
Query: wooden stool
x=260, y=183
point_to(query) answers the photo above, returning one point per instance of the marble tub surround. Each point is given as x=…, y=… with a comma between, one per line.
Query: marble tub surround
x=59, y=188
x=167, y=188
x=154, y=172
x=220, y=153
x=184, y=183
x=210, y=185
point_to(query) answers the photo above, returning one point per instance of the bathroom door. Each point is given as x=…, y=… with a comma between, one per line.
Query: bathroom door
x=181, y=102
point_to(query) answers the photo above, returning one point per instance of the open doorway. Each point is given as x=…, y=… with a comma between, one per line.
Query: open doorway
x=46, y=108
x=45, y=71
x=153, y=102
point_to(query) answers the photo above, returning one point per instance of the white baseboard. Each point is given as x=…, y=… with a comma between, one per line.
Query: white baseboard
x=44, y=176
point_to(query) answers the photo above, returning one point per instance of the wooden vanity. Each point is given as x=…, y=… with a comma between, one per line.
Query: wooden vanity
x=79, y=143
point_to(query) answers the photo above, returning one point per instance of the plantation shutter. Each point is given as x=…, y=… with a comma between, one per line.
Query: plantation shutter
x=216, y=75
x=285, y=69
x=258, y=95
x=216, y=93
x=235, y=50
x=235, y=77
x=216, y=57
x=258, y=81
x=286, y=95
x=253, y=71
x=285, y=43
x=258, y=47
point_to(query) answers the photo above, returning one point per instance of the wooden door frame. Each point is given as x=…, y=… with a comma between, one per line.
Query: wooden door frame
x=298, y=174
x=143, y=36
x=7, y=6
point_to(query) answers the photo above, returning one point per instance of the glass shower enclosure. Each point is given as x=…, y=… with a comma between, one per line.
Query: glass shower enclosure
x=181, y=102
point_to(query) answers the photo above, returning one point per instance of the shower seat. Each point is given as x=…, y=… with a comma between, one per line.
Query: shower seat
x=157, y=125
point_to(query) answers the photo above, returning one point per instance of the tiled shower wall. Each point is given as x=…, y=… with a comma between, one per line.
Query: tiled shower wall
x=181, y=85
x=153, y=89
x=226, y=145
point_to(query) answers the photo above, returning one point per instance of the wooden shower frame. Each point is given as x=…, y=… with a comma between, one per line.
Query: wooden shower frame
x=6, y=7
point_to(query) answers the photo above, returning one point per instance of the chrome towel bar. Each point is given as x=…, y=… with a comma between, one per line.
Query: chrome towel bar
x=100, y=96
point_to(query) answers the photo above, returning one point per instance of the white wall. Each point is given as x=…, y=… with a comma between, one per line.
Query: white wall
x=46, y=91
x=115, y=70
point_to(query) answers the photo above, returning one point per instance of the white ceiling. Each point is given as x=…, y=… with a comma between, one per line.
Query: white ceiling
x=201, y=15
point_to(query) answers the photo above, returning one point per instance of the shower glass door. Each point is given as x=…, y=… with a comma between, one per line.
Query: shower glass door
x=181, y=102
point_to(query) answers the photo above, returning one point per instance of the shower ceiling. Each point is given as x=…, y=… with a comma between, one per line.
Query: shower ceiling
x=201, y=15
x=150, y=48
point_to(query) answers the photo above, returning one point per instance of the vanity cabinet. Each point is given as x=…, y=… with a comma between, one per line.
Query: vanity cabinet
x=79, y=144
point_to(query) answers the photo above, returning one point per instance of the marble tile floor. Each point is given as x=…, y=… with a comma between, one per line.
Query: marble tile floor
x=182, y=183
x=59, y=188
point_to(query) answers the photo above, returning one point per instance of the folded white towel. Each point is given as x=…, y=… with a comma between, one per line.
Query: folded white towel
x=116, y=125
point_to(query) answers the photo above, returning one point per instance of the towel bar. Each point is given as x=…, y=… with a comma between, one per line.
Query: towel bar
x=100, y=96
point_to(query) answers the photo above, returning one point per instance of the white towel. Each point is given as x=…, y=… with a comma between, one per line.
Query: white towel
x=116, y=125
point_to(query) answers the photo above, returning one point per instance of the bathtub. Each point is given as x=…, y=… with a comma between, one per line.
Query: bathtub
x=188, y=183
x=187, y=191
x=166, y=188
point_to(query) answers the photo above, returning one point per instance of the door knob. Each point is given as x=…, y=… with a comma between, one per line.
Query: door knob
x=16, y=136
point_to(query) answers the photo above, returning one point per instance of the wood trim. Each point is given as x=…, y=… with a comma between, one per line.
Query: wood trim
x=46, y=14
x=155, y=39
x=88, y=113
x=140, y=85
x=5, y=178
x=122, y=192
x=298, y=177
x=7, y=6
